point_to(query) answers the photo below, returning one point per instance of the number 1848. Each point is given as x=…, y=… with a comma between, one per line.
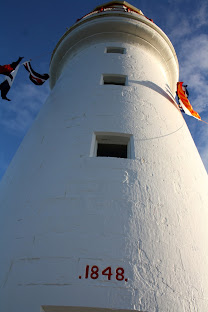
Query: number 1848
x=94, y=272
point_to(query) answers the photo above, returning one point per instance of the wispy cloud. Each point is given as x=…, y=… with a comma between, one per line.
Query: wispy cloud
x=200, y=16
x=194, y=69
x=17, y=115
x=182, y=25
x=190, y=39
x=200, y=135
x=189, y=35
x=179, y=29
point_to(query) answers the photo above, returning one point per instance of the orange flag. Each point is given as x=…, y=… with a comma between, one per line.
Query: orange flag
x=184, y=103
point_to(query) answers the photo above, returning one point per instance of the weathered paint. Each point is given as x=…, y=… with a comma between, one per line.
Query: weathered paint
x=63, y=209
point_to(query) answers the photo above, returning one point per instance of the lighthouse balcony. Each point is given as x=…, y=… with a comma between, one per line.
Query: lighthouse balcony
x=115, y=6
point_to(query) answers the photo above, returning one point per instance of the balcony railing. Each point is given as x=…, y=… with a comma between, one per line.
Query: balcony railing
x=118, y=8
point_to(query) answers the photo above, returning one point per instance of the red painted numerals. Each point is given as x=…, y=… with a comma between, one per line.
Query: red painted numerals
x=107, y=272
x=119, y=274
x=94, y=273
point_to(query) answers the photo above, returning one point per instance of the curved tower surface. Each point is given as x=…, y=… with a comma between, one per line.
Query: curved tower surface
x=105, y=204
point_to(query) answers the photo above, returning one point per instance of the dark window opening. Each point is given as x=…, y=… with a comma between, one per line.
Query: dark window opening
x=114, y=80
x=112, y=150
x=111, y=144
x=115, y=50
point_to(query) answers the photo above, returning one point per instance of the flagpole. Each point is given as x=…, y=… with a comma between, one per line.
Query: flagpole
x=204, y=121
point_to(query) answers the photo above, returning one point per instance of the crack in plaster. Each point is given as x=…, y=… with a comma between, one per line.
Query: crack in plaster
x=44, y=284
x=7, y=274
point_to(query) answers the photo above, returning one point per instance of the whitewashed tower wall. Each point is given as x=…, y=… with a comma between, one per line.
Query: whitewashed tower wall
x=64, y=210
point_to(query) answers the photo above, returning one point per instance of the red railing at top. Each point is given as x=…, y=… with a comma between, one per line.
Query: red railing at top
x=120, y=8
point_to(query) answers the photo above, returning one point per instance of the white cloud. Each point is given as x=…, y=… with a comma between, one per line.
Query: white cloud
x=187, y=29
x=201, y=136
x=17, y=115
x=200, y=17
x=180, y=29
x=194, y=68
x=195, y=51
x=185, y=21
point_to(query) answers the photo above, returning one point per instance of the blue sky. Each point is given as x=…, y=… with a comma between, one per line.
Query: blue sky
x=32, y=29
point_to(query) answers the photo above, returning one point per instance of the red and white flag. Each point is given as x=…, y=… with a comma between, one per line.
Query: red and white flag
x=7, y=83
x=34, y=76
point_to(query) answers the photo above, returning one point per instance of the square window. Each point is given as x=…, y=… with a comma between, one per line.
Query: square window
x=112, y=79
x=111, y=150
x=111, y=145
x=119, y=50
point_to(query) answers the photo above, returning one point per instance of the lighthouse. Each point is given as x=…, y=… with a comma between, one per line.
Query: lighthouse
x=105, y=205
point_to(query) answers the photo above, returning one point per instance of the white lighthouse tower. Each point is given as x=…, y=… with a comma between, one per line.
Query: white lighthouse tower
x=105, y=205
